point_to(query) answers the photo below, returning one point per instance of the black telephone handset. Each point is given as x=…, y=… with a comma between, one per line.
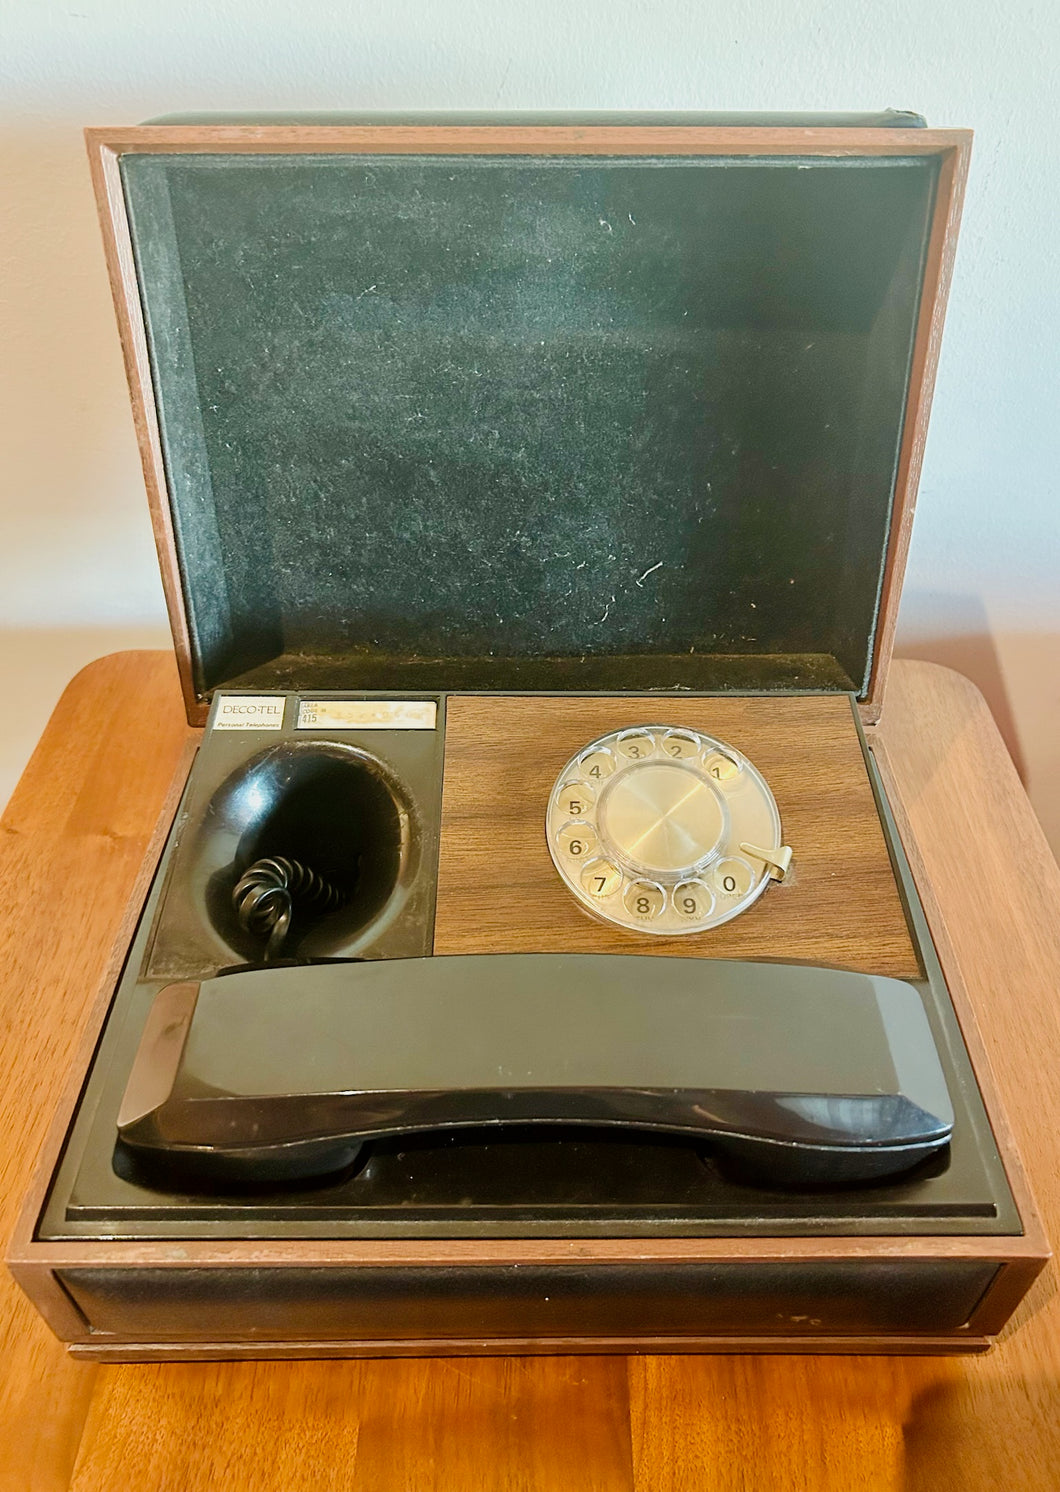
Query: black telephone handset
x=798, y=1075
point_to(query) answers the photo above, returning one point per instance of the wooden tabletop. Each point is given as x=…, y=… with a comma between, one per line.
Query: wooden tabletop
x=73, y=839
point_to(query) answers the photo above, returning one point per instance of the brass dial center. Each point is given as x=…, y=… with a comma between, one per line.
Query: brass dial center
x=662, y=817
x=654, y=828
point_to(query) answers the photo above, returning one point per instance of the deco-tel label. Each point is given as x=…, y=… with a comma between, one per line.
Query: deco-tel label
x=249, y=712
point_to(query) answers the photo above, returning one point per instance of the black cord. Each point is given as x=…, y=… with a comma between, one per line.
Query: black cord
x=266, y=896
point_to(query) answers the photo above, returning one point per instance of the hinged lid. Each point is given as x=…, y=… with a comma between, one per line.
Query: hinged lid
x=617, y=405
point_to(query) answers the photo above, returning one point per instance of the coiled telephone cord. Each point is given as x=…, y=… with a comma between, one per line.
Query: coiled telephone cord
x=268, y=893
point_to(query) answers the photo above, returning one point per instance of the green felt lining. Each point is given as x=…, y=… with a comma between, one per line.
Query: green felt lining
x=805, y=673
x=529, y=422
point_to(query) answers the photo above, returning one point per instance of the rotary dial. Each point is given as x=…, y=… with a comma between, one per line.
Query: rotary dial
x=664, y=830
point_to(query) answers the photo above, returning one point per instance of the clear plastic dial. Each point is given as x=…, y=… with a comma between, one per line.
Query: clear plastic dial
x=656, y=828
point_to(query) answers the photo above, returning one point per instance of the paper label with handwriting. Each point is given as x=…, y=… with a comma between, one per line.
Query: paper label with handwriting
x=367, y=714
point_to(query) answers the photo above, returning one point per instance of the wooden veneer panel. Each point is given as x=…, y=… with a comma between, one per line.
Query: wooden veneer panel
x=498, y=890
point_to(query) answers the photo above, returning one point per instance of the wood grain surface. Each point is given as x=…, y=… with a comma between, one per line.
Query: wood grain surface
x=498, y=890
x=72, y=843
x=938, y=273
x=73, y=838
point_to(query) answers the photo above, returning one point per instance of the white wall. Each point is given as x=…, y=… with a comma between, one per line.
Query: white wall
x=982, y=593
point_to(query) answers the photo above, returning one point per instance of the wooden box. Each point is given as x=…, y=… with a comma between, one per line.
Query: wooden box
x=565, y=425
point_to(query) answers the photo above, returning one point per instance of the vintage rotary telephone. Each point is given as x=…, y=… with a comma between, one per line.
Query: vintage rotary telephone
x=792, y=1075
